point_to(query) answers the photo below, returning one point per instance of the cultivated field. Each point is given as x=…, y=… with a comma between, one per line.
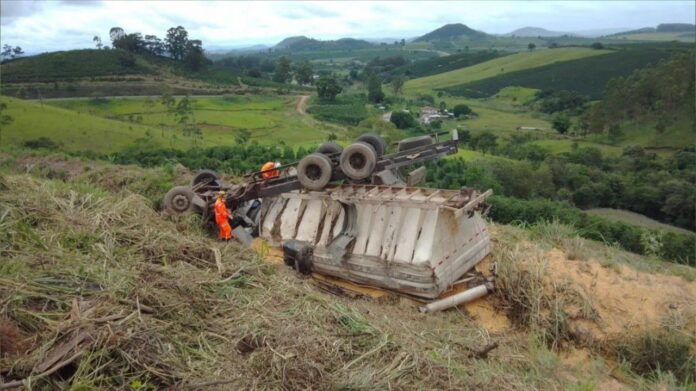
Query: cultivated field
x=498, y=66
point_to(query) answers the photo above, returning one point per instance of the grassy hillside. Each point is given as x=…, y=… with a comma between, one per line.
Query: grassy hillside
x=73, y=64
x=498, y=66
x=74, y=131
x=111, y=125
x=443, y=64
x=657, y=36
x=587, y=76
x=632, y=218
x=126, y=298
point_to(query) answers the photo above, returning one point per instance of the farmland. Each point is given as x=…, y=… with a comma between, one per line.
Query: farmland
x=589, y=74
x=498, y=66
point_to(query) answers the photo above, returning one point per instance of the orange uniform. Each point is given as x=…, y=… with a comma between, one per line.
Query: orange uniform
x=270, y=172
x=222, y=219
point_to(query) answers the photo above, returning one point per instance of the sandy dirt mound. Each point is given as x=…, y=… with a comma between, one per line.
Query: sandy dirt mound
x=624, y=299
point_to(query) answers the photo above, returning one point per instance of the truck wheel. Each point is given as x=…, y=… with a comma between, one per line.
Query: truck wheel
x=205, y=176
x=178, y=200
x=314, y=171
x=329, y=148
x=376, y=141
x=358, y=160
x=414, y=142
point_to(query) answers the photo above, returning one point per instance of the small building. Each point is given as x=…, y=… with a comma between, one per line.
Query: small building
x=430, y=114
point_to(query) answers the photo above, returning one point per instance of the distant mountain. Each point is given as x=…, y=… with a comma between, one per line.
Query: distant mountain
x=449, y=32
x=536, y=32
x=302, y=43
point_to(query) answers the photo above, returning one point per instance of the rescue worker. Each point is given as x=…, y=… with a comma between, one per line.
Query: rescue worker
x=270, y=170
x=222, y=217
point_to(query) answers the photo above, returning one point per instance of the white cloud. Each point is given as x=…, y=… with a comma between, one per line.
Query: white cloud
x=42, y=26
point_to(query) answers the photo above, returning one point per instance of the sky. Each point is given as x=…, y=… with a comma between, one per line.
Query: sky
x=39, y=26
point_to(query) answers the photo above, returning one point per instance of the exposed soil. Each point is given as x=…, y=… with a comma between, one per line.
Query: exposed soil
x=301, y=106
x=624, y=299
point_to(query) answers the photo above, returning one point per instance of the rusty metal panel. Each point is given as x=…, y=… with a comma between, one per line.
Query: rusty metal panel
x=289, y=218
x=407, y=235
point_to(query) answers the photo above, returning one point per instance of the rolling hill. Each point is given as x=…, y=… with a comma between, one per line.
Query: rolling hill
x=589, y=74
x=450, y=32
x=498, y=66
x=302, y=43
x=74, y=64
x=443, y=64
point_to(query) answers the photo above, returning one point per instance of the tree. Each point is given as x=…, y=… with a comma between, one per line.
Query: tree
x=328, y=88
x=397, y=84
x=531, y=46
x=186, y=117
x=194, y=57
x=282, y=70
x=11, y=52
x=374, y=89
x=97, y=42
x=461, y=109
x=133, y=43
x=485, y=142
x=561, y=123
x=304, y=73
x=597, y=46
x=615, y=134
x=443, y=106
x=176, y=42
x=402, y=120
x=5, y=119
x=154, y=45
x=115, y=34
x=403, y=42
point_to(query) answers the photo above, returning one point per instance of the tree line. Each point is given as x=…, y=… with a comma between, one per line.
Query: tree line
x=175, y=45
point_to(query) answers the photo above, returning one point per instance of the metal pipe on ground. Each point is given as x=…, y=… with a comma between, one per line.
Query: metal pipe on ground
x=460, y=298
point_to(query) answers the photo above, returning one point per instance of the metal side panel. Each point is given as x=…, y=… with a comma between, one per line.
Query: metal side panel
x=338, y=226
x=393, y=218
x=269, y=220
x=310, y=220
x=407, y=235
x=333, y=211
x=289, y=218
x=379, y=223
x=424, y=242
x=364, y=227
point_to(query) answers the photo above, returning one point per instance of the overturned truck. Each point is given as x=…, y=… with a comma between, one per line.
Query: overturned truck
x=355, y=214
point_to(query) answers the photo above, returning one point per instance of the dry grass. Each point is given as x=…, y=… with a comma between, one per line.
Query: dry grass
x=102, y=292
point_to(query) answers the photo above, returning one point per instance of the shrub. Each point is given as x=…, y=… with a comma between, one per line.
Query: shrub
x=41, y=142
x=403, y=120
x=461, y=109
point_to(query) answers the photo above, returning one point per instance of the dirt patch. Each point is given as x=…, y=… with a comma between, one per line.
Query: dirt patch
x=623, y=298
x=301, y=106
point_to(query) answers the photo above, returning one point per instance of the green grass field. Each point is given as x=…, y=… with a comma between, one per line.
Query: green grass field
x=498, y=66
x=632, y=218
x=106, y=126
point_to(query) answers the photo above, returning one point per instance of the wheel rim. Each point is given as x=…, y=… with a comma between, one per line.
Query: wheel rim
x=357, y=161
x=180, y=203
x=313, y=172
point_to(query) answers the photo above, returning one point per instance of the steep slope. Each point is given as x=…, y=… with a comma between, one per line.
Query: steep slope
x=498, y=66
x=451, y=31
x=104, y=292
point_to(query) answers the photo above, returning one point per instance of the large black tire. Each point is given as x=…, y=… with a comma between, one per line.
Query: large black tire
x=358, y=160
x=329, y=148
x=203, y=176
x=179, y=200
x=376, y=141
x=414, y=142
x=314, y=171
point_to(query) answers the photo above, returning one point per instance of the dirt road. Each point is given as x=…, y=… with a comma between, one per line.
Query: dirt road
x=302, y=104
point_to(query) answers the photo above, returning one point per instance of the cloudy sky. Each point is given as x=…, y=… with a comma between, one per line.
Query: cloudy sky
x=40, y=26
